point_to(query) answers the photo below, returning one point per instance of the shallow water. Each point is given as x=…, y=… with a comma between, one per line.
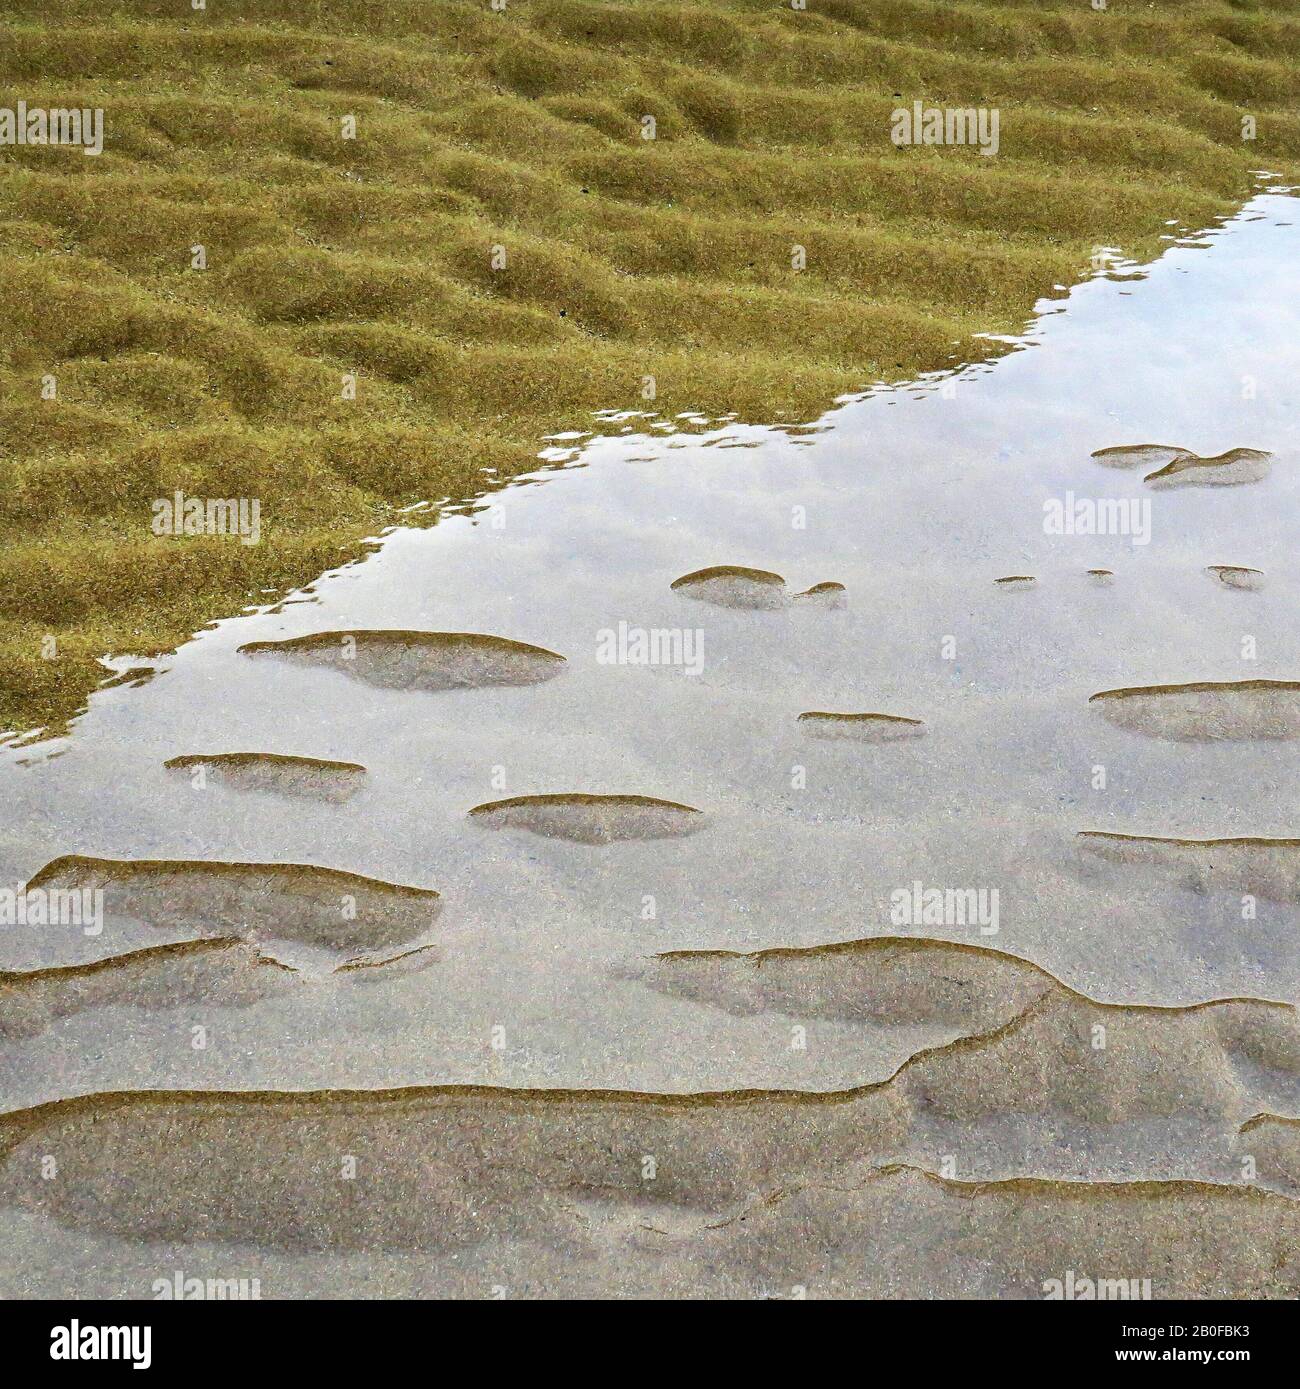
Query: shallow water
x=640, y=867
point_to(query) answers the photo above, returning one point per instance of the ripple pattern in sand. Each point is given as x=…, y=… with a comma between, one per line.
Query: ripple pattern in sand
x=276, y=903
x=591, y=819
x=1209, y=711
x=861, y=728
x=416, y=660
x=734, y=586
x=312, y=778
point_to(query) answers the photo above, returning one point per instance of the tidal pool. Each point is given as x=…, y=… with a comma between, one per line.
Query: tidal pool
x=713, y=938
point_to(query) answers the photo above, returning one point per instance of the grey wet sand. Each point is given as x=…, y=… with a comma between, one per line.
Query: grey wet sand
x=566, y=1184
x=1022, y=1091
x=480, y=1184
x=1034, y=1079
